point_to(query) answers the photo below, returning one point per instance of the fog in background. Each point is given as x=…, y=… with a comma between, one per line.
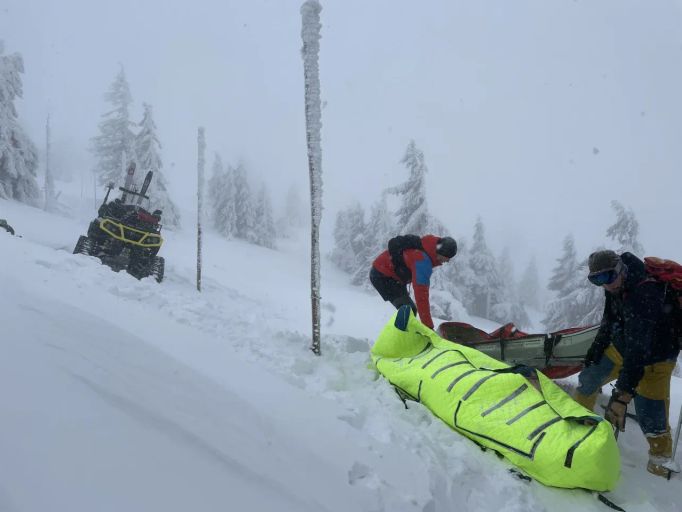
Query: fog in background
x=532, y=114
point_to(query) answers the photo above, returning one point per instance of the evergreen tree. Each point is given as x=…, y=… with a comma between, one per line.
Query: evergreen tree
x=487, y=287
x=452, y=284
x=50, y=201
x=147, y=148
x=581, y=307
x=509, y=307
x=578, y=302
x=413, y=215
x=221, y=199
x=562, y=282
x=265, y=225
x=214, y=190
x=529, y=286
x=563, y=274
x=339, y=255
x=587, y=299
x=625, y=231
x=243, y=204
x=18, y=155
x=460, y=275
x=507, y=274
x=510, y=311
x=228, y=204
x=114, y=147
x=375, y=238
x=349, y=236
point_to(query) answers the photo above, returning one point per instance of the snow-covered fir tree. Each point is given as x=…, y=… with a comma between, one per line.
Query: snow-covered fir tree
x=509, y=308
x=214, y=186
x=18, y=155
x=486, y=290
x=482, y=287
x=221, y=199
x=562, y=282
x=586, y=300
x=114, y=147
x=505, y=266
x=413, y=215
x=363, y=258
x=562, y=276
x=50, y=201
x=380, y=228
x=349, y=237
x=226, y=214
x=147, y=149
x=243, y=204
x=264, y=223
x=577, y=302
x=625, y=231
x=449, y=284
x=529, y=286
x=460, y=276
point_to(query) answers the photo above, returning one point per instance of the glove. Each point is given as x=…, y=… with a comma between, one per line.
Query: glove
x=616, y=409
x=594, y=355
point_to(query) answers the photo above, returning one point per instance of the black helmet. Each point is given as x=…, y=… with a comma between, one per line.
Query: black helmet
x=447, y=247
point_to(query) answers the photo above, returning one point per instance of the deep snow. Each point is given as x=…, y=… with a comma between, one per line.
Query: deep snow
x=120, y=394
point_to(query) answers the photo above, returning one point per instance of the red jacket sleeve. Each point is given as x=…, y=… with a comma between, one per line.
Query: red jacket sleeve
x=421, y=267
x=421, y=296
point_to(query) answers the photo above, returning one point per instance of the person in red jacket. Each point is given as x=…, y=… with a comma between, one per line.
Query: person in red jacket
x=391, y=283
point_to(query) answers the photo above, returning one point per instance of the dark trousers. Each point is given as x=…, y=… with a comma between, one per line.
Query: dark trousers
x=391, y=290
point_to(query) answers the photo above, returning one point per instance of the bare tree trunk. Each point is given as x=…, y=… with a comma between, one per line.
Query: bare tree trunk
x=310, y=33
x=200, y=198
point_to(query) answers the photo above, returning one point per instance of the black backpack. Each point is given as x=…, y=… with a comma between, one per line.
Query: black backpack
x=396, y=246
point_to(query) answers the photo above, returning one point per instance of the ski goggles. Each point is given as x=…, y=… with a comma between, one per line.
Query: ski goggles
x=605, y=276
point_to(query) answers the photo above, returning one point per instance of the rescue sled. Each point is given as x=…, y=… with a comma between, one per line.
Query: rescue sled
x=516, y=411
x=557, y=354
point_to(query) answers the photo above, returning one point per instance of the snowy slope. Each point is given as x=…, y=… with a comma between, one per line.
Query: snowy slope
x=120, y=394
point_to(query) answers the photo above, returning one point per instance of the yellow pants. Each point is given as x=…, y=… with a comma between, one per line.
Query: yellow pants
x=652, y=399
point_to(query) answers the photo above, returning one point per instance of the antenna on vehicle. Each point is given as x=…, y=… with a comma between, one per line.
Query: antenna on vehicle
x=110, y=186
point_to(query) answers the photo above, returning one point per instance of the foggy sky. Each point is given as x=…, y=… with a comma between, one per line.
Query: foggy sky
x=532, y=114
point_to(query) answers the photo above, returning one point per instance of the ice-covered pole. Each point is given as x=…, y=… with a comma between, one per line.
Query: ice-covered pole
x=310, y=33
x=201, y=144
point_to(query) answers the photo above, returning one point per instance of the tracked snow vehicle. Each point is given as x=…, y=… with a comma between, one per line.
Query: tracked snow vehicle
x=125, y=235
